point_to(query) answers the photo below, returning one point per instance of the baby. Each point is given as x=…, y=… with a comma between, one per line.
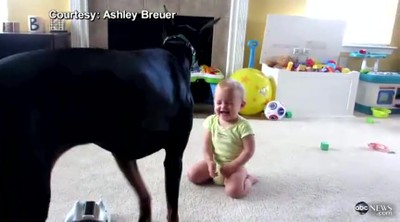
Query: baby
x=228, y=143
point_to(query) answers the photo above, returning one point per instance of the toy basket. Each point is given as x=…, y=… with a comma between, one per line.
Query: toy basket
x=380, y=112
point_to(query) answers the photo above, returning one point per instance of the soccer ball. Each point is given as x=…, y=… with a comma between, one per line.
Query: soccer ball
x=274, y=110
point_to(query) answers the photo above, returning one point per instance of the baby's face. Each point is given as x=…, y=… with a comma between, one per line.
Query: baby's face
x=227, y=103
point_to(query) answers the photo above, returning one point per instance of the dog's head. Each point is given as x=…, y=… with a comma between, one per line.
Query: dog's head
x=187, y=35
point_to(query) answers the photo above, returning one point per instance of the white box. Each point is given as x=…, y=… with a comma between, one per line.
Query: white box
x=309, y=94
x=315, y=94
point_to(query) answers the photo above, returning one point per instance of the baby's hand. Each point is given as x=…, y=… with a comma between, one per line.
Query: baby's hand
x=211, y=168
x=228, y=169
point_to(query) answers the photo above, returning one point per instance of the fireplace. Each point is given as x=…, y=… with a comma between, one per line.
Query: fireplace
x=229, y=34
x=125, y=34
x=224, y=50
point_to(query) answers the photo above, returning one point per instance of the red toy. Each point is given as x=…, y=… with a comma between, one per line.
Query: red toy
x=310, y=62
x=380, y=148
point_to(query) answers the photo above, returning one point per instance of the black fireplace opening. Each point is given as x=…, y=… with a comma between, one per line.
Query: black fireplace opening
x=125, y=34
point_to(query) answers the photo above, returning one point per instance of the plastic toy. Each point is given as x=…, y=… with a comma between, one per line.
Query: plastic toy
x=324, y=146
x=331, y=64
x=208, y=74
x=363, y=51
x=370, y=120
x=346, y=70
x=310, y=62
x=380, y=112
x=259, y=89
x=88, y=211
x=365, y=55
x=309, y=65
x=380, y=148
x=378, y=89
x=274, y=110
x=252, y=44
x=289, y=66
x=289, y=114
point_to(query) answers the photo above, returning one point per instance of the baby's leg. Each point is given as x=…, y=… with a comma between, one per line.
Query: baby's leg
x=198, y=173
x=239, y=183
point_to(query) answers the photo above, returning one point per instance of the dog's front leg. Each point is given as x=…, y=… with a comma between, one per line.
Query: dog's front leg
x=132, y=174
x=173, y=172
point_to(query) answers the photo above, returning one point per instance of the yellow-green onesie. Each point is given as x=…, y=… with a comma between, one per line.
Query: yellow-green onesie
x=226, y=141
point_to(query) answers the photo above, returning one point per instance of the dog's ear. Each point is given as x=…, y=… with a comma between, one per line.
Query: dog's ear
x=172, y=20
x=187, y=27
x=168, y=25
x=209, y=24
x=164, y=34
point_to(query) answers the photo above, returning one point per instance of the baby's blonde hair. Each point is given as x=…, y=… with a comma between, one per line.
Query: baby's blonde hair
x=233, y=85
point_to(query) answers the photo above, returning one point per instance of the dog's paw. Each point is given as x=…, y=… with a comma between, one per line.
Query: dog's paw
x=144, y=219
x=171, y=218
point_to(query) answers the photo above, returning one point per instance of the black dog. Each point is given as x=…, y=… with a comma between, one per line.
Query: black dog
x=131, y=103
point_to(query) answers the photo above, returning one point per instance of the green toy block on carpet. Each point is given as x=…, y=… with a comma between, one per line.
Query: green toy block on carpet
x=324, y=146
x=208, y=74
x=370, y=120
x=288, y=114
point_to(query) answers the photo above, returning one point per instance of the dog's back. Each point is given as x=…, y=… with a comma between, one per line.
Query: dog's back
x=79, y=88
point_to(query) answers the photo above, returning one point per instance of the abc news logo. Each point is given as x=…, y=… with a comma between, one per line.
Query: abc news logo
x=379, y=209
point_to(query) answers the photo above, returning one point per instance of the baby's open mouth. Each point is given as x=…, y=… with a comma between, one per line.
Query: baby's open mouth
x=224, y=112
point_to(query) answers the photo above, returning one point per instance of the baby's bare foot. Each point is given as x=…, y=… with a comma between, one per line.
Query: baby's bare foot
x=253, y=179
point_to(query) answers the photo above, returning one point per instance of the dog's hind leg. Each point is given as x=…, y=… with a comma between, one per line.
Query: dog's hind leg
x=131, y=172
x=173, y=173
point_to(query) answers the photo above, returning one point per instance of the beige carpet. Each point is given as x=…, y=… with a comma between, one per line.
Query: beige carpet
x=298, y=181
